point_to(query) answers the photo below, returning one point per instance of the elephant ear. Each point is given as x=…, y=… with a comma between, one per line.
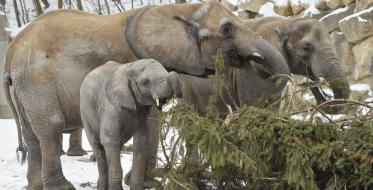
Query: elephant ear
x=118, y=90
x=162, y=33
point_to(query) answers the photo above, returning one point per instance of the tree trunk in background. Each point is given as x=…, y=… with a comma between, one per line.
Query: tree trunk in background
x=180, y=1
x=38, y=8
x=23, y=12
x=2, y=2
x=79, y=4
x=46, y=3
x=107, y=7
x=60, y=4
x=99, y=7
x=25, y=15
x=17, y=13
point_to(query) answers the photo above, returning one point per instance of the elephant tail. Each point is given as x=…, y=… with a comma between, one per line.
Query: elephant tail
x=7, y=82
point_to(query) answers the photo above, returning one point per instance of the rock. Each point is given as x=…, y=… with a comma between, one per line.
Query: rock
x=334, y=4
x=322, y=4
x=330, y=21
x=363, y=54
x=363, y=4
x=296, y=7
x=357, y=26
x=348, y=2
x=229, y=5
x=344, y=51
x=244, y=14
x=283, y=9
x=252, y=6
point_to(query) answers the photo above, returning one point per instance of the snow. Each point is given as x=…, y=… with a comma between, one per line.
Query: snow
x=310, y=11
x=358, y=14
x=361, y=87
x=337, y=11
x=78, y=170
x=267, y=10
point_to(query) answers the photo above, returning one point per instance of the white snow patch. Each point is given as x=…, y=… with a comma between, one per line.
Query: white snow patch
x=310, y=11
x=337, y=11
x=358, y=14
x=267, y=10
x=361, y=87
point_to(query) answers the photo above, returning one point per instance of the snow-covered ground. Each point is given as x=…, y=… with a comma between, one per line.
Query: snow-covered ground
x=78, y=170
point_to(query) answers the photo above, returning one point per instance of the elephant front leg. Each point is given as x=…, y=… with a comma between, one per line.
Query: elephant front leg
x=139, y=160
x=75, y=148
x=115, y=172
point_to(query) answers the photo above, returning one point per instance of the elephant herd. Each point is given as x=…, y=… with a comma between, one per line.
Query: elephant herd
x=66, y=69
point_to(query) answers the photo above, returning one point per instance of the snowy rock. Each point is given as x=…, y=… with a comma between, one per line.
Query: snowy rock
x=363, y=54
x=252, y=6
x=363, y=4
x=229, y=4
x=330, y=21
x=244, y=14
x=268, y=10
x=357, y=26
x=344, y=51
x=333, y=4
x=283, y=9
x=348, y=2
x=322, y=4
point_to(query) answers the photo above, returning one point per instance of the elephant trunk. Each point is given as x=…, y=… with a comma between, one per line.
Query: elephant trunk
x=326, y=65
x=168, y=87
x=173, y=79
x=272, y=60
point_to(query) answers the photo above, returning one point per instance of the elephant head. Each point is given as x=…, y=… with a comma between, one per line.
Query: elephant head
x=187, y=37
x=144, y=82
x=311, y=53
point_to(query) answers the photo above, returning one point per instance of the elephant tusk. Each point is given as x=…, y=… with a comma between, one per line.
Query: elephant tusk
x=256, y=54
x=157, y=102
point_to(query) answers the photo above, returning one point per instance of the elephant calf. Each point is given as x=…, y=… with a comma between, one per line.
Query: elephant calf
x=116, y=101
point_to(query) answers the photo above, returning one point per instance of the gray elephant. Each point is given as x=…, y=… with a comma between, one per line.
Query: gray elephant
x=115, y=103
x=308, y=50
x=47, y=61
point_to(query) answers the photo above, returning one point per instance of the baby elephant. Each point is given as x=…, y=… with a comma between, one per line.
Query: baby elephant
x=115, y=104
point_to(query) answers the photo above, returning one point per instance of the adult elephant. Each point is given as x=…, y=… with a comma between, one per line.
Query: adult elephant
x=308, y=50
x=48, y=60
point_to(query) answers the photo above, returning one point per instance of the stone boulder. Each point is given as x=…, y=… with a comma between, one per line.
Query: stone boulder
x=322, y=4
x=344, y=51
x=252, y=5
x=363, y=53
x=357, y=26
x=348, y=2
x=334, y=4
x=330, y=21
x=232, y=7
x=362, y=5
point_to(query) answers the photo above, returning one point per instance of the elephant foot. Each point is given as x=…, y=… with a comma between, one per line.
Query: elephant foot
x=148, y=183
x=35, y=187
x=76, y=152
x=65, y=185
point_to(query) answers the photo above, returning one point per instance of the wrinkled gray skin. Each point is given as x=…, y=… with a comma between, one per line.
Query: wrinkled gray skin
x=47, y=61
x=308, y=50
x=115, y=105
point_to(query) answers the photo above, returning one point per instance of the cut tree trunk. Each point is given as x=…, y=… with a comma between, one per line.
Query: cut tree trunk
x=16, y=11
x=38, y=8
x=79, y=4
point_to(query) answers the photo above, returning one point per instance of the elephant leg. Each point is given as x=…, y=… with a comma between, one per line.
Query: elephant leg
x=115, y=172
x=139, y=159
x=102, y=183
x=75, y=148
x=33, y=159
x=152, y=137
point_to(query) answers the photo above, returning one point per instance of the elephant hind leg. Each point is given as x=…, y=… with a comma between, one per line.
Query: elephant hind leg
x=41, y=107
x=33, y=158
x=103, y=178
x=75, y=148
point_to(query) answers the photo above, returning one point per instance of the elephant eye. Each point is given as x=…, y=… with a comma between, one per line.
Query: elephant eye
x=145, y=82
x=227, y=30
x=307, y=47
